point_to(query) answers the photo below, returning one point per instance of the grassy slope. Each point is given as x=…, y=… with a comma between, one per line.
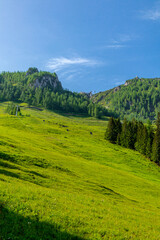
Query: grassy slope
x=59, y=184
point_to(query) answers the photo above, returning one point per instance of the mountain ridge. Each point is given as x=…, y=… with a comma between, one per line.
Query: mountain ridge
x=43, y=89
x=137, y=97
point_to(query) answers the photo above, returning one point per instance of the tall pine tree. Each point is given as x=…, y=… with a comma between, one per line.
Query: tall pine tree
x=123, y=139
x=114, y=127
x=156, y=142
x=149, y=140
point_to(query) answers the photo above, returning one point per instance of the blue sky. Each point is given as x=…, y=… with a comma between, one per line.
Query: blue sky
x=92, y=45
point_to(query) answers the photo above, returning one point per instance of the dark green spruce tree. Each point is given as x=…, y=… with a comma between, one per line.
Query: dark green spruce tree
x=144, y=139
x=113, y=129
x=134, y=132
x=110, y=131
x=118, y=126
x=140, y=144
x=129, y=136
x=156, y=143
x=123, y=137
x=118, y=130
x=149, y=140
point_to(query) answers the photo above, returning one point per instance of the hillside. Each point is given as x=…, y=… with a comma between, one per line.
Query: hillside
x=43, y=89
x=138, y=98
x=59, y=179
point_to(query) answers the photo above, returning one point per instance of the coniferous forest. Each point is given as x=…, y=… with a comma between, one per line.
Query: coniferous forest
x=138, y=98
x=45, y=90
x=136, y=135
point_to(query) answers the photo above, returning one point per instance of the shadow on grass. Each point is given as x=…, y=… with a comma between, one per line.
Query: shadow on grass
x=7, y=165
x=8, y=173
x=17, y=227
x=70, y=114
x=31, y=177
x=6, y=156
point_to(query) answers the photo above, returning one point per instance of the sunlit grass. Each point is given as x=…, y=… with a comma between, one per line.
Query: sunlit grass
x=59, y=181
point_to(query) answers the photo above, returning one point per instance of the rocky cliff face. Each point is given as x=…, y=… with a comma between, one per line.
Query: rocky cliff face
x=48, y=80
x=43, y=79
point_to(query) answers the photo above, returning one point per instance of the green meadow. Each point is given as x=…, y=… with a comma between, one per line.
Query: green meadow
x=59, y=179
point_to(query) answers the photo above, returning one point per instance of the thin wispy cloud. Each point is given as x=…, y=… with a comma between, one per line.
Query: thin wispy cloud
x=70, y=75
x=125, y=38
x=119, y=42
x=115, y=46
x=152, y=14
x=67, y=72
x=71, y=69
x=57, y=64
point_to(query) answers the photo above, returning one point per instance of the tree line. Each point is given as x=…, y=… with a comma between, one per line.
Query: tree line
x=136, y=135
x=19, y=87
x=139, y=98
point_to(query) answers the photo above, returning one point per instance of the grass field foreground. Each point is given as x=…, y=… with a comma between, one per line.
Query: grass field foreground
x=59, y=179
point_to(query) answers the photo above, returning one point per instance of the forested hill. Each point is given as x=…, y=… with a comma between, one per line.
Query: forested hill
x=138, y=98
x=43, y=89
